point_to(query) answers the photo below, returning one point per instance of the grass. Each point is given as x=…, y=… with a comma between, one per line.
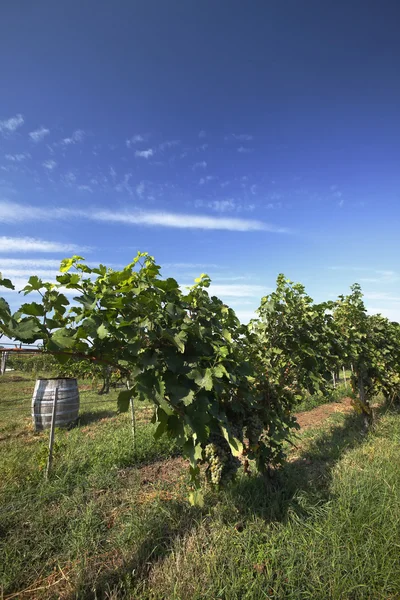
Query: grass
x=113, y=522
x=335, y=395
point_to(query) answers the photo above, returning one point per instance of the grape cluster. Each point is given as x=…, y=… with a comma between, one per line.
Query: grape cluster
x=222, y=465
x=254, y=429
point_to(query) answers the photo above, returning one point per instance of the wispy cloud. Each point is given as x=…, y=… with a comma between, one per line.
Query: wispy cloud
x=384, y=296
x=381, y=276
x=12, y=212
x=199, y=165
x=135, y=139
x=39, y=134
x=207, y=179
x=186, y=265
x=224, y=205
x=202, y=134
x=240, y=137
x=124, y=185
x=168, y=144
x=140, y=189
x=185, y=221
x=85, y=188
x=18, y=157
x=77, y=137
x=244, y=150
x=29, y=263
x=49, y=164
x=16, y=213
x=28, y=244
x=236, y=290
x=68, y=179
x=144, y=153
x=12, y=124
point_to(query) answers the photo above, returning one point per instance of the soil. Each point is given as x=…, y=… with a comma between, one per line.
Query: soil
x=169, y=470
x=315, y=416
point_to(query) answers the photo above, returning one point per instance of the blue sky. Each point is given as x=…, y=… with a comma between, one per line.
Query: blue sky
x=238, y=139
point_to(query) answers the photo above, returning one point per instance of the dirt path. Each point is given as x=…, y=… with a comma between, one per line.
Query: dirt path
x=316, y=416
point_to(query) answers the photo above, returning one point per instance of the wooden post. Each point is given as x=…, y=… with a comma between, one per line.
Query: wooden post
x=344, y=377
x=133, y=423
x=3, y=362
x=133, y=420
x=51, y=442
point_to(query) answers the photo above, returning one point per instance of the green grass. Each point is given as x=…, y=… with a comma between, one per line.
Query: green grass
x=113, y=522
x=335, y=395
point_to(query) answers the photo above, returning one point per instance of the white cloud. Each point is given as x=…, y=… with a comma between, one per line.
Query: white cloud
x=12, y=124
x=39, y=134
x=140, y=188
x=225, y=205
x=15, y=213
x=392, y=313
x=202, y=134
x=135, y=139
x=49, y=164
x=381, y=277
x=253, y=189
x=184, y=221
x=18, y=157
x=124, y=186
x=240, y=137
x=29, y=263
x=69, y=178
x=169, y=144
x=383, y=296
x=191, y=265
x=85, y=188
x=199, y=165
x=144, y=153
x=244, y=150
x=11, y=212
x=245, y=316
x=203, y=147
x=240, y=290
x=217, y=205
x=206, y=179
x=77, y=137
x=28, y=244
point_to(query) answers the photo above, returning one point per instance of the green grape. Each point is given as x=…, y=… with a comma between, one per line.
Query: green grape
x=222, y=465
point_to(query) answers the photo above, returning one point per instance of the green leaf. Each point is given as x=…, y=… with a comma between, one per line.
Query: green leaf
x=235, y=445
x=196, y=498
x=202, y=378
x=67, y=263
x=124, y=400
x=227, y=335
x=34, y=284
x=102, y=332
x=27, y=330
x=63, y=338
x=167, y=285
x=34, y=309
x=6, y=283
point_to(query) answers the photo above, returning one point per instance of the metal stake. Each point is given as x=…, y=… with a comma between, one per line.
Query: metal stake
x=51, y=442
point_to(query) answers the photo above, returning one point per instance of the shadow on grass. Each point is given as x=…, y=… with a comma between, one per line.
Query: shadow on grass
x=96, y=415
x=163, y=529
x=271, y=499
x=308, y=473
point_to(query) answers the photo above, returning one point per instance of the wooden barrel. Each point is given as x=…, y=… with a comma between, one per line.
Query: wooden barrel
x=67, y=408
